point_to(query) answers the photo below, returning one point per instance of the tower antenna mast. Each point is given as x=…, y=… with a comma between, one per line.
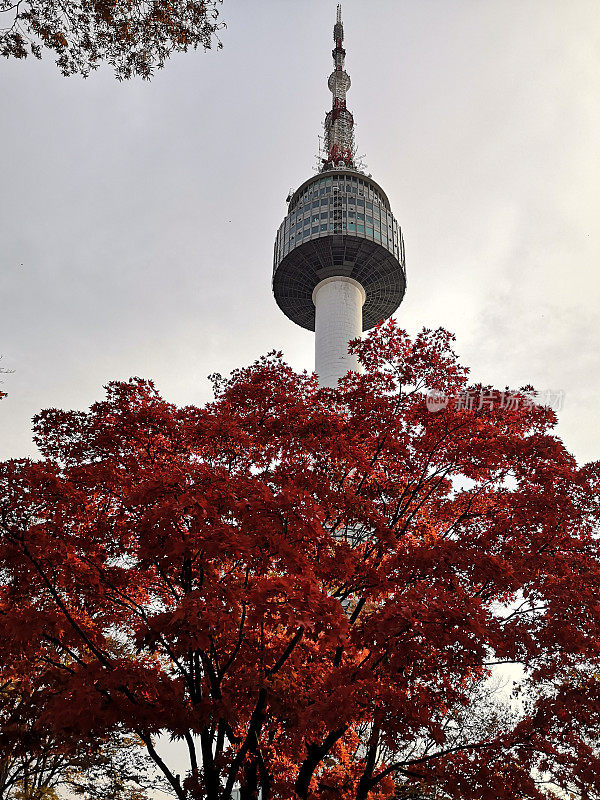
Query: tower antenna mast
x=340, y=150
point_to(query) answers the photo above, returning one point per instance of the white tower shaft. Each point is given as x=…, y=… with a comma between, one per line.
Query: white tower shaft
x=338, y=320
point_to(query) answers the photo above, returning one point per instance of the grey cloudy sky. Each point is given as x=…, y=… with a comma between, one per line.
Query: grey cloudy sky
x=138, y=219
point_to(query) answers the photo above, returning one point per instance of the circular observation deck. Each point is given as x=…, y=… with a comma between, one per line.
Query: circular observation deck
x=339, y=223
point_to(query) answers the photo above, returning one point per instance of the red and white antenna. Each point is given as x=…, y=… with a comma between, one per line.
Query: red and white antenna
x=339, y=122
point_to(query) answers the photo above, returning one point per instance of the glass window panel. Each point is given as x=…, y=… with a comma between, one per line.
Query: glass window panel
x=360, y=228
x=369, y=231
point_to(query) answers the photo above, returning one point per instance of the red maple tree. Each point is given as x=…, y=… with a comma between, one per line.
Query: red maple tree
x=312, y=588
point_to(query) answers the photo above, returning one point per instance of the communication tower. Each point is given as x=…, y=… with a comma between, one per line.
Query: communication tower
x=338, y=266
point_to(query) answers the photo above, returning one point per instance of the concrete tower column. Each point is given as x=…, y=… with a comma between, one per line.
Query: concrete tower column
x=338, y=319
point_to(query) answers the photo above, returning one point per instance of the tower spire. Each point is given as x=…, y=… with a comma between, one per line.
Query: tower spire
x=339, y=122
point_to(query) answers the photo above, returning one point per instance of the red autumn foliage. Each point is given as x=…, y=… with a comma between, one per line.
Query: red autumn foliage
x=135, y=37
x=311, y=587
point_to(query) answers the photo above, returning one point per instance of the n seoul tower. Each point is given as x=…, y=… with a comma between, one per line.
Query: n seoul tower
x=338, y=267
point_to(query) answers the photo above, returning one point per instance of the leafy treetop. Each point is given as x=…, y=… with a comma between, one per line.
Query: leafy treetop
x=134, y=36
x=311, y=588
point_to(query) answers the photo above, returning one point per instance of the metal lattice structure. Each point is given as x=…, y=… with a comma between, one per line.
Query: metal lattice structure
x=340, y=149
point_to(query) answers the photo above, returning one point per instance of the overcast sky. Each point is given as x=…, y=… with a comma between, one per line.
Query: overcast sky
x=138, y=219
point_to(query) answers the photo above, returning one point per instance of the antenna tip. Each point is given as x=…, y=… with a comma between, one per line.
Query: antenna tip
x=338, y=28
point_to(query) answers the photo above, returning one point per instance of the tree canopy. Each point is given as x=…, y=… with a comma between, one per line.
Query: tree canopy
x=313, y=588
x=134, y=36
x=37, y=759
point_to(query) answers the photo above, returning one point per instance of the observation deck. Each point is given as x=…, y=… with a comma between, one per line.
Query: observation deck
x=339, y=223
